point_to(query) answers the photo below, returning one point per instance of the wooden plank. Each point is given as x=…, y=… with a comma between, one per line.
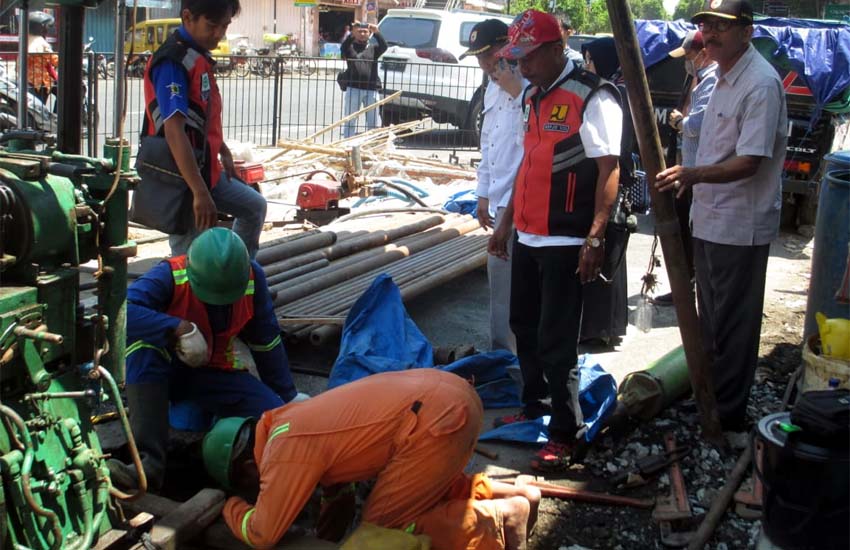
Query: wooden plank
x=187, y=521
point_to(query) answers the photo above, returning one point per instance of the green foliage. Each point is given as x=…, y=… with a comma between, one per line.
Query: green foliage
x=686, y=9
x=595, y=19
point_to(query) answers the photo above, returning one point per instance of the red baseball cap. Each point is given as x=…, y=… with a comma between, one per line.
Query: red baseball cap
x=530, y=30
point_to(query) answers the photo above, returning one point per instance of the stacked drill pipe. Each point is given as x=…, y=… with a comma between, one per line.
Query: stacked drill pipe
x=322, y=273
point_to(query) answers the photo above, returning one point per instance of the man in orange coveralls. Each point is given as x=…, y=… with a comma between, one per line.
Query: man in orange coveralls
x=413, y=430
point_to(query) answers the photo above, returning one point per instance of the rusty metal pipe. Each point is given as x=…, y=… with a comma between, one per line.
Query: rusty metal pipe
x=551, y=490
x=40, y=335
x=115, y=395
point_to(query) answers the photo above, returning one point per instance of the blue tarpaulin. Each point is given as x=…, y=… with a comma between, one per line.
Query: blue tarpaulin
x=463, y=202
x=818, y=51
x=379, y=336
x=597, y=398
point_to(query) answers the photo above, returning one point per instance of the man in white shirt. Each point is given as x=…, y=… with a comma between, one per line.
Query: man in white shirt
x=501, y=153
x=737, y=188
x=560, y=204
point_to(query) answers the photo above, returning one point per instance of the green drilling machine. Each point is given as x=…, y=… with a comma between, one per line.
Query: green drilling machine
x=61, y=359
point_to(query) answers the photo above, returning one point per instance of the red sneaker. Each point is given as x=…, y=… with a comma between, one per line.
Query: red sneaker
x=552, y=457
x=511, y=419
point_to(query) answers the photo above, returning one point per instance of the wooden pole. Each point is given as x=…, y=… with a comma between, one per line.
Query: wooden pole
x=666, y=220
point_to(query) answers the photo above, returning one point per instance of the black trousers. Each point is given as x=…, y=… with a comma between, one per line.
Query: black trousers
x=730, y=294
x=546, y=302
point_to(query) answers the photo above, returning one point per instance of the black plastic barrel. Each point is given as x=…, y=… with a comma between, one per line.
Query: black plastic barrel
x=832, y=235
x=806, y=501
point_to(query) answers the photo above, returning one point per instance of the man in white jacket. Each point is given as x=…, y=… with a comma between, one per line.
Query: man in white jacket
x=501, y=154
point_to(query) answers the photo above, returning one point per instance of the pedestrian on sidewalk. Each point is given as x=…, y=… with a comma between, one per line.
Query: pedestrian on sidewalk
x=501, y=154
x=560, y=205
x=737, y=189
x=183, y=104
x=361, y=55
x=412, y=431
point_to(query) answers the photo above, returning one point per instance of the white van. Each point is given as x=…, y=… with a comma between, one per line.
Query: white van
x=423, y=62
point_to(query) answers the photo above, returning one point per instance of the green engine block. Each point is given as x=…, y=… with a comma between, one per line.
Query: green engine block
x=59, y=361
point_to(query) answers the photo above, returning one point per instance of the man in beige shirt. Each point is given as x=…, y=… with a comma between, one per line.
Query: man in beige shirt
x=737, y=198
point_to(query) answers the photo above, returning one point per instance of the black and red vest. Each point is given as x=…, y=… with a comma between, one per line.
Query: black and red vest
x=203, y=97
x=185, y=305
x=556, y=182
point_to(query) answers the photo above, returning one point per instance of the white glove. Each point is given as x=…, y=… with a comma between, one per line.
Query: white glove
x=192, y=348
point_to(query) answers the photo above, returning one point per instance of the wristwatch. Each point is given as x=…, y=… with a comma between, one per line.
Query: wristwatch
x=594, y=242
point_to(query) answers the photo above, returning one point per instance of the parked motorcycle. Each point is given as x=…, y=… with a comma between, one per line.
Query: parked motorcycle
x=39, y=115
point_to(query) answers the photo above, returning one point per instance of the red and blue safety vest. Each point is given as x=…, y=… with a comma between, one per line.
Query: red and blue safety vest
x=204, y=113
x=185, y=305
x=556, y=182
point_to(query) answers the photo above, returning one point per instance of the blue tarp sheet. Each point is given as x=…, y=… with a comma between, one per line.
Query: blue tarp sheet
x=463, y=202
x=819, y=52
x=379, y=336
x=597, y=398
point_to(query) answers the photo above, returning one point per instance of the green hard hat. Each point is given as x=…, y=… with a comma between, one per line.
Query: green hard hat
x=218, y=267
x=225, y=442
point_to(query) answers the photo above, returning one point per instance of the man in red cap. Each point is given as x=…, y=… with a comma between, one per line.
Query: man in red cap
x=562, y=197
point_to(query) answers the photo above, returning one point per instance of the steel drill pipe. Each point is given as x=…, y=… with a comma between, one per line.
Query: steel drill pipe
x=427, y=259
x=289, y=238
x=319, y=283
x=323, y=334
x=404, y=273
x=364, y=255
x=342, y=297
x=293, y=248
x=667, y=223
x=413, y=286
x=355, y=241
x=305, y=269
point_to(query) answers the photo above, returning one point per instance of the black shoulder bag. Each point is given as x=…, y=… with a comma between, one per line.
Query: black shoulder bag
x=163, y=199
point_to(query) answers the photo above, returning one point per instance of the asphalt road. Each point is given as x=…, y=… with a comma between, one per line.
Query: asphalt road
x=306, y=104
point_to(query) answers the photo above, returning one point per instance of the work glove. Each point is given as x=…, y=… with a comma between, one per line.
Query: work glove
x=192, y=348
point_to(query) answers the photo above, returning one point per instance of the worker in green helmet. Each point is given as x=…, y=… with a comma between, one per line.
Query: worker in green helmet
x=197, y=324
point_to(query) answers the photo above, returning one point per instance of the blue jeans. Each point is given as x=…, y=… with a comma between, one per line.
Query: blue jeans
x=356, y=99
x=233, y=197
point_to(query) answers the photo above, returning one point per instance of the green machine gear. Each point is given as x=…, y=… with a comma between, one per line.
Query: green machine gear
x=60, y=361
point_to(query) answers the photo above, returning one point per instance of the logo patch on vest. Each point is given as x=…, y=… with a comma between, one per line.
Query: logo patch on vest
x=173, y=89
x=205, y=86
x=559, y=113
x=556, y=127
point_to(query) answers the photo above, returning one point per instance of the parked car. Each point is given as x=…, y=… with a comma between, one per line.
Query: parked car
x=152, y=33
x=423, y=62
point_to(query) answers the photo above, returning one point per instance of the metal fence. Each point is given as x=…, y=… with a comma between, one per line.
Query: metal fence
x=266, y=98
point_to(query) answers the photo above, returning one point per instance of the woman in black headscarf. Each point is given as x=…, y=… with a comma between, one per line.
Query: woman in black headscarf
x=606, y=311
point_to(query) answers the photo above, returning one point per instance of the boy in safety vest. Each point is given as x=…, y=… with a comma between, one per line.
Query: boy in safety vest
x=183, y=104
x=192, y=321
x=414, y=431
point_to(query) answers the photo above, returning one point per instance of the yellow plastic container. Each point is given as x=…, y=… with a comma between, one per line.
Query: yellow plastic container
x=818, y=370
x=834, y=336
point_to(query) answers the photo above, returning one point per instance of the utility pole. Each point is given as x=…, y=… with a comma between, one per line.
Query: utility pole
x=666, y=220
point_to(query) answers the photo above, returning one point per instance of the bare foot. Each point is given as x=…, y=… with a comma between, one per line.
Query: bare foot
x=515, y=511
